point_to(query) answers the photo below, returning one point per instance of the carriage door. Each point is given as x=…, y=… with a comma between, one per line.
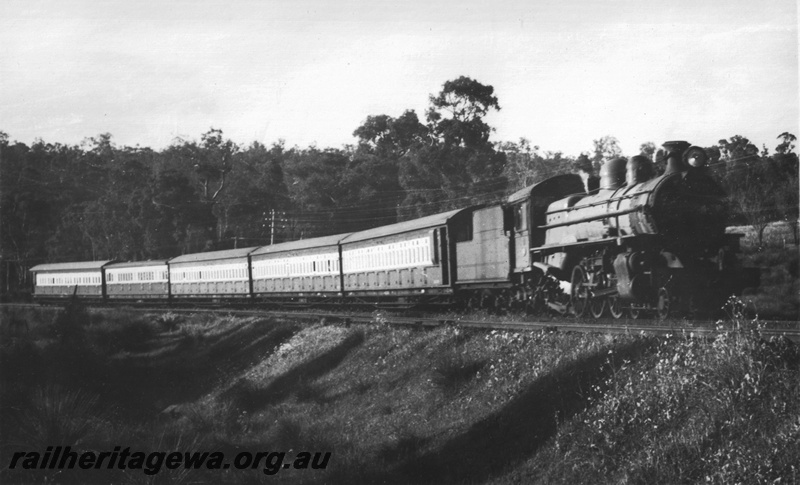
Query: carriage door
x=522, y=256
x=445, y=252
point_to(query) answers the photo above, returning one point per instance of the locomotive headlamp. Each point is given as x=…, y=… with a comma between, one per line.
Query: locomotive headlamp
x=695, y=157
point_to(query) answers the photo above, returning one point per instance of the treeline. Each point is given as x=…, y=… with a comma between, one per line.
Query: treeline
x=101, y=201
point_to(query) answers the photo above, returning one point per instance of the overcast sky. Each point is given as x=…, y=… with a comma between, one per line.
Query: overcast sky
x=310, y=71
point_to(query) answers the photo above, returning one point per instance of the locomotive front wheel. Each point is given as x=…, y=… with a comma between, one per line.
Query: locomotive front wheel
x=579, y=293
x=615, y=307
x=664, y=303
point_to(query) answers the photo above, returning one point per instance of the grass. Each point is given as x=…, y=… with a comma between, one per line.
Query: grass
x=398, y=405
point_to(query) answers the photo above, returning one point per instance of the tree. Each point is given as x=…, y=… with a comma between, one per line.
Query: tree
x=314, y=182
x=25, y=212
x=373, y=173
x=457, y=165
x=648, y=149
x=523, y=163
x=738, y=148
x=787, y=145
x=390, y=137
x=172, y=215
x=208, y=165
x=466, y=101
x=212, y=162
x=258, y=188
x=785, y=193
x=754, y=182
x=526, y=165
x=605, y=148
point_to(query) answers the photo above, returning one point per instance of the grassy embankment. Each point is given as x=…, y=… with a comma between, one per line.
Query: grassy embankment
x=399, y=405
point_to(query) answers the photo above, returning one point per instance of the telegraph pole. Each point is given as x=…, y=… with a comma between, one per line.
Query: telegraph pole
x=272, y=227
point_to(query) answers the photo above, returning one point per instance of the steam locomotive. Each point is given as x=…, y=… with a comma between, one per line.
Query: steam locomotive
x=628, y=243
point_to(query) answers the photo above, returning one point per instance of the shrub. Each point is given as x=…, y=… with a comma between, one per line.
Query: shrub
x=58, y=417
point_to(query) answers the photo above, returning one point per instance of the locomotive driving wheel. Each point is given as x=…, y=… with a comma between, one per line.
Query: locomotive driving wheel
x=597, y=306
x=615, y=307
x=579, y=293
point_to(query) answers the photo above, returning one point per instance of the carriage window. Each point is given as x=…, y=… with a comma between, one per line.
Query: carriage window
x=520, y=219
x=435, y=246
x=464, y=231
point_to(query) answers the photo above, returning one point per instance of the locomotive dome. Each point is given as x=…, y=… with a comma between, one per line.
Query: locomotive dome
x=612, y=174
x=640, y=169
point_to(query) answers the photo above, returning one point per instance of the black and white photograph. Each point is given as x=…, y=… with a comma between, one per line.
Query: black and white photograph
x=383, y=242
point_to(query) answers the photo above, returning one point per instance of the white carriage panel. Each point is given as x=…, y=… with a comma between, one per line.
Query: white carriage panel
x=140, y=274
x=209, y=273
x=396, y=255
x=68, y=279
x=305, y=265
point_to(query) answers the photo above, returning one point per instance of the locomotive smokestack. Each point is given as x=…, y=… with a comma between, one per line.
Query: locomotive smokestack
x=674, y=156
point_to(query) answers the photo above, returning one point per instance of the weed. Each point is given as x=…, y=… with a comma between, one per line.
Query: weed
x=169, y=321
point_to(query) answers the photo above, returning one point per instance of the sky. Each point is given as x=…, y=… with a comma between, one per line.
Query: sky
x=309, y=72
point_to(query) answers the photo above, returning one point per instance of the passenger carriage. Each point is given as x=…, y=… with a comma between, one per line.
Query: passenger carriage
x=308, y=268
x=142, y=280
x=63, y=280
x=213, y=275
x=409, y=258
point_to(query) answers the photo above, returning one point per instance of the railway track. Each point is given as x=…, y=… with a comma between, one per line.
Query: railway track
x=699, y=328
